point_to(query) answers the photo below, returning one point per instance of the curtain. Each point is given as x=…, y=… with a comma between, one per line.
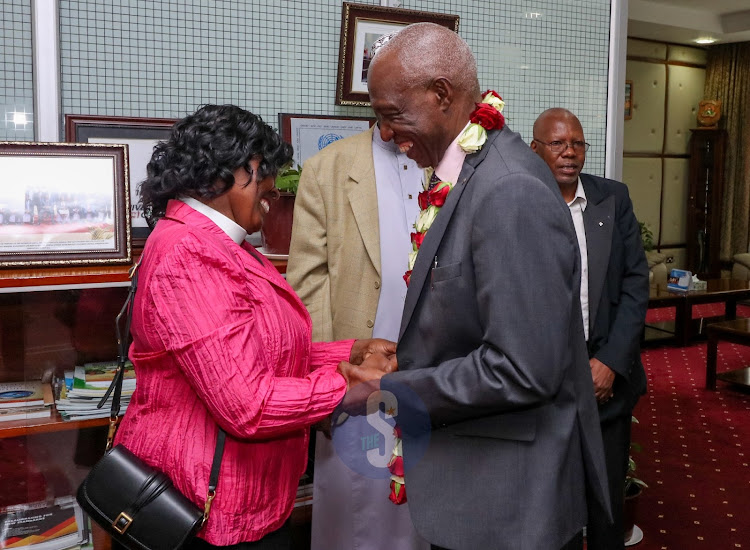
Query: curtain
x=728, y=79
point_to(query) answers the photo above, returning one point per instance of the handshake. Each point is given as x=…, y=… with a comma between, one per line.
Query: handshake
x=369, y=360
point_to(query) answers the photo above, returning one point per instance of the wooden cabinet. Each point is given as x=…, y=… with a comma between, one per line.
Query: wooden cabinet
x=705, y=196
x=50, y=321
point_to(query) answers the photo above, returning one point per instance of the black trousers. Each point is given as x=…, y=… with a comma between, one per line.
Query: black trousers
x=576, y=543
x=278, y=540
x=600, y=534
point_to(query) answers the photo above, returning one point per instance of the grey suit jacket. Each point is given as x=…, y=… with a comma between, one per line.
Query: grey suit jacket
x=492, y=344
x=618, y=290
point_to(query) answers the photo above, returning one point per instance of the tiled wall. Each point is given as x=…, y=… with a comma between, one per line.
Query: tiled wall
x=163, y=59
x=667, y=87
x=16, y=85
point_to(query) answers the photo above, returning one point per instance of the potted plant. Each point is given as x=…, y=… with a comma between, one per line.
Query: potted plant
x=647, y=237
x=277, y=225
x=633, y=488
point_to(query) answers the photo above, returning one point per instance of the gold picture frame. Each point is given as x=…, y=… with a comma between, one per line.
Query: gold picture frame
x=64, y=204
x=361, y=25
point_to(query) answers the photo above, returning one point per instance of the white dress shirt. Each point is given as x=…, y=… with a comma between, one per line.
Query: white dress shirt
x=398, y=181
x=577, y=206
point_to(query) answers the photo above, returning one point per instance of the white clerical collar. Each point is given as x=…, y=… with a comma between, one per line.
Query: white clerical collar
x=580, y=196
x=449, y=167
x=235, y=232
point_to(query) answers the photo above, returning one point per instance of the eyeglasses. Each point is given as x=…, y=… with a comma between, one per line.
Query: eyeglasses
x=562, y=146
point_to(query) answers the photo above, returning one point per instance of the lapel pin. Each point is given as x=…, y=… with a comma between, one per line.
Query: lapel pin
x=601, y=224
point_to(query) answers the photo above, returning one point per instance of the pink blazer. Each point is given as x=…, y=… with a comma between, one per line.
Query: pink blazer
x=220, y=339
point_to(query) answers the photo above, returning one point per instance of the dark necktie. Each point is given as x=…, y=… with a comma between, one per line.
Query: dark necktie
x=434, y=180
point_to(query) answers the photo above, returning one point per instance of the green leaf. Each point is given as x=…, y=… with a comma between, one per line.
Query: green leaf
x=630, y=478
x=647, y=237
x=288, y=180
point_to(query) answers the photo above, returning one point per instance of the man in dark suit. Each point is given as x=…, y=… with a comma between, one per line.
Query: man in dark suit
x=491, y=344
x=614, y=291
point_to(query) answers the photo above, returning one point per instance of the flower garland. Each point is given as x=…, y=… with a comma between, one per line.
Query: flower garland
x=486, y=116
x=396, y=467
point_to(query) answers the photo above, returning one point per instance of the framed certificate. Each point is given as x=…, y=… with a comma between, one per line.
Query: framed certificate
x=140, y=135
x=308, y=134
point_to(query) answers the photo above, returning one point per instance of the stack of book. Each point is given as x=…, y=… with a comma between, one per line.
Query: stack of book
x=304, y=494
x=48, y=525
x=87, y=384
x=25, y=400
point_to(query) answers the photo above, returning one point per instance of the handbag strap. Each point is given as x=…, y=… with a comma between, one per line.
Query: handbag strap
x=115, y=389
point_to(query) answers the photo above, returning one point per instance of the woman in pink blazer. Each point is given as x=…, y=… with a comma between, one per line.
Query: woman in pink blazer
x=221, y=340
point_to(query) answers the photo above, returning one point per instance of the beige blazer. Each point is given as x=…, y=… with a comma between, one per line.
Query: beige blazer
x=335, y=248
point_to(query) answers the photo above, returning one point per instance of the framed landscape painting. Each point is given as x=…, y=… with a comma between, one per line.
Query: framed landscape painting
x=63, y=204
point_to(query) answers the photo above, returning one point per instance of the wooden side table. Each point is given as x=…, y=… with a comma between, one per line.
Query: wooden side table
x=738, y=332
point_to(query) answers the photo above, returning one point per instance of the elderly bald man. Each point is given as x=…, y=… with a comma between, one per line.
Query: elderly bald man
x=494, y=393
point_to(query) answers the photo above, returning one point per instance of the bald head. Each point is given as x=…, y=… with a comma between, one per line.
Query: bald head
x=423, y=87
x=554, y=115
x=426, y=51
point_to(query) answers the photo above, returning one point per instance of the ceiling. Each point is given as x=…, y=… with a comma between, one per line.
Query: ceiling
x=725, y=20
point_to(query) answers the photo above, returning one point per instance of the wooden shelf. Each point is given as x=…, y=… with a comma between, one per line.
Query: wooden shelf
x=20, y=279
x=84, y=275
x=55, y=423
x=54, y=317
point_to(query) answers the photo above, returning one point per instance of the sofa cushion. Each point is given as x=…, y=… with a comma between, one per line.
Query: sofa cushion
x=741, y=266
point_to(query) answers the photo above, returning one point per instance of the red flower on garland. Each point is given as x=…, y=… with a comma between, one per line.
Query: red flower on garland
x=398, y=493
x=488, y=117
x=417, y=238
x=396, y=467
x=438, y=195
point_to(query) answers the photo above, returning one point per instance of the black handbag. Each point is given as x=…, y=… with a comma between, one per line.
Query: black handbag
x=133, y=502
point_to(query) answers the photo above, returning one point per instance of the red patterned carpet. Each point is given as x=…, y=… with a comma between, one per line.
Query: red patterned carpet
x=696, y=452
x=695, y=455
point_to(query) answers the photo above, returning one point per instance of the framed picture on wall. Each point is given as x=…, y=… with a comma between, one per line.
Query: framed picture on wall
x=140, y=135
x=628, y=99
x=308, y=134
x=63, y=204
x=361, y=25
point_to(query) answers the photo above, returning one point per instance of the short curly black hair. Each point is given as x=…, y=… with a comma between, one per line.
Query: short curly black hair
x=203, y=151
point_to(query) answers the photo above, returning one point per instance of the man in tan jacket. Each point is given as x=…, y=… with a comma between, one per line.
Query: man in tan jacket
x=354, y=211
x=334, y=255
